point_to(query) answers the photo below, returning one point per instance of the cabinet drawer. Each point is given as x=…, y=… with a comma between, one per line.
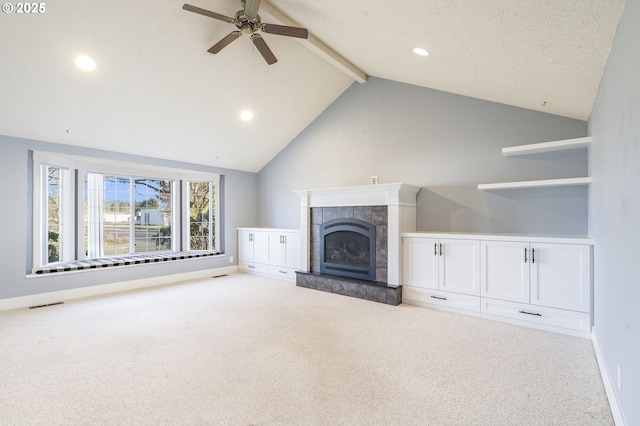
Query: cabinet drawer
x=436, y=298
x=284, y=273
x=255, y=268
x=537, y=314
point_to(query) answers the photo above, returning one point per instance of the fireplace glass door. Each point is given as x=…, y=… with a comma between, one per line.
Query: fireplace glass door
x=348, y=249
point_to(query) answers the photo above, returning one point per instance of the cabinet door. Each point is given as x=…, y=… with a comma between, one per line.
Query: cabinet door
x=459, y=266
x=421, y=262
x=504, y=270
x=260, y=247
x=276, y=248
x=292, y=250
x=561, y=276
x=245, y=246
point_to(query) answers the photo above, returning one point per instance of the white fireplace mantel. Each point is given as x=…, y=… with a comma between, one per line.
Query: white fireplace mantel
x=400, y=199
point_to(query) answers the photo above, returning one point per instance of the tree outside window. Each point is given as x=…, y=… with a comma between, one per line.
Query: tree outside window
x=201, y=215
x=126, y=215
x=54, y=188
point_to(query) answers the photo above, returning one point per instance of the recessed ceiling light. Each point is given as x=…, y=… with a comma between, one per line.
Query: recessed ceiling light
x=246, y=115
x=420, y=51
x=85, y=63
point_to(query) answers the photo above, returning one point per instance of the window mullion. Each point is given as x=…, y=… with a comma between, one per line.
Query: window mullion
x=210, y=211
x=132, y=215
x=185, y=214
x=95, y=214
x=216, y=214
x=44, y=221
x=67, y=214
x=80, y=252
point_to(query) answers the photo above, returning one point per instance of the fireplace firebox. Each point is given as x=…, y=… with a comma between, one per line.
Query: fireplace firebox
x=348, y=248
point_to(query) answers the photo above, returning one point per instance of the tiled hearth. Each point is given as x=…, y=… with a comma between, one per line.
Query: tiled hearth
x=368, y=290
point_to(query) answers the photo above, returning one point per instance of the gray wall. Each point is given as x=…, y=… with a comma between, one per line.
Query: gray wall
x=446, y=144
x=239, y=210
x=615, y=211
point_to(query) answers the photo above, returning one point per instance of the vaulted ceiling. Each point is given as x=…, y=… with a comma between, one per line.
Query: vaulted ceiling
x=157, y=92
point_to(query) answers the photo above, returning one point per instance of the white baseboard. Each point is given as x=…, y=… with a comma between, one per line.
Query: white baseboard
x=97, y=290
x=616, y=411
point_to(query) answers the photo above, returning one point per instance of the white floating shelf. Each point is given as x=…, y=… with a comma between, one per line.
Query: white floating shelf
x=537, y=148
x=537, y=183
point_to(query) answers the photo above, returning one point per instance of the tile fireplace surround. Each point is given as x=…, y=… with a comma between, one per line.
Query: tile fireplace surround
x=400, y=202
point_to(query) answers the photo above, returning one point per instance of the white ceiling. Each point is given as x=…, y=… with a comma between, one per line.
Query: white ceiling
x=157, y=92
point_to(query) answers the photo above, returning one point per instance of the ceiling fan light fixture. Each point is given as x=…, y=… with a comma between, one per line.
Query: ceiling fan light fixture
x=85, y=63
x=420, y=51
x=248, y=21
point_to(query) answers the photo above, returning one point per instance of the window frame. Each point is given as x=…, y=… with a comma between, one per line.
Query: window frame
x=186, y=229
x=76, y=167
x=40, y=214
x=176, y=212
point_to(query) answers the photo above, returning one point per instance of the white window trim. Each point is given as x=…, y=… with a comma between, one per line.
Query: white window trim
x=77, y=166
x=144, y=174
x=200, y=177
x=40, y=233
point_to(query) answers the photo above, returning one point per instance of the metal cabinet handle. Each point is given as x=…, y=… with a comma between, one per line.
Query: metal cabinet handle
x=525, y=255
x=533, y=255
x=438, y=297
x=440, y=249
x=251, y=267
x=435, y=249
x=531, y=313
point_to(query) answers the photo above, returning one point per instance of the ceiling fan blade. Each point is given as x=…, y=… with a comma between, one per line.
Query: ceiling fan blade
x=251, y=8
x=232, y=36
x=264, y=50
x=208, y=13
x=285, y=30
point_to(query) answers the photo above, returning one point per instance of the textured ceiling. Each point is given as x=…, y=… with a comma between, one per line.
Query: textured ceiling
x=157, y=92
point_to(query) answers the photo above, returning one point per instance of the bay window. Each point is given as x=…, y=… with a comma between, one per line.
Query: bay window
x=84, y=209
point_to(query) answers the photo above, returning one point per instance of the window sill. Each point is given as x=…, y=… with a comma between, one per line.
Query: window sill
x=108, y=262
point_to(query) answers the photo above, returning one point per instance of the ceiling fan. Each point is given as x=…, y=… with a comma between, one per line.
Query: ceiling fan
x=248, y=21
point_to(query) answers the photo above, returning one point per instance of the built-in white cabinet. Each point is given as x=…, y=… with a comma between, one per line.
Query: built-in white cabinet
x=253, y=246
x=270, y=252
x=544, y=282
x=560, y=276
x=443, y=264
x=541, y=274
x=284, y=249
x=420, y=262
x=442, y=272
x=505, y=270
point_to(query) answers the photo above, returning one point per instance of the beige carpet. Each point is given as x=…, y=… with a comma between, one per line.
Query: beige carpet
x=245, y=350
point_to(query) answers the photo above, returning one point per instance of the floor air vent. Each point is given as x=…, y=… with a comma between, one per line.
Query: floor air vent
x=48, y=304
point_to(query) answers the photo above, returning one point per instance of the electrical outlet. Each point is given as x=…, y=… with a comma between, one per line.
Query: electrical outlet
x=619, y=379
x=374, y=180
x=230, y=259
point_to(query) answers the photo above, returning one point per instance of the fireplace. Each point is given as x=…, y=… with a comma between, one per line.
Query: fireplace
x=348, y=248
x=386, y=209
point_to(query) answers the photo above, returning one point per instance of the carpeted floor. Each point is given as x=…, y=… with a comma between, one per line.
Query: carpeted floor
x=245, y=350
